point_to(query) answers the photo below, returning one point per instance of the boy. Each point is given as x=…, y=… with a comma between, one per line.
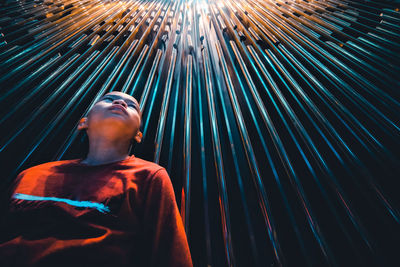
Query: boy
x=109, y=209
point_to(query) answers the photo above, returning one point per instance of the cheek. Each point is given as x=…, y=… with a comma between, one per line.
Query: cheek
x=95, y=113
x=135, y=121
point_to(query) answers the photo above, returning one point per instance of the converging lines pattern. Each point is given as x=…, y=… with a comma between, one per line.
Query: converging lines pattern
x=278, y=121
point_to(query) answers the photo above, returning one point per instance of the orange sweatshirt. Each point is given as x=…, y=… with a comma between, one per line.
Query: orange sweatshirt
x=67, y=213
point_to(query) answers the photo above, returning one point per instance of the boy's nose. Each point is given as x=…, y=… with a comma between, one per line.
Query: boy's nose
x=121, y=102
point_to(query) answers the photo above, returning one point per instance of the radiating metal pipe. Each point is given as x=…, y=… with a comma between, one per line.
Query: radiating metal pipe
x=287, y=114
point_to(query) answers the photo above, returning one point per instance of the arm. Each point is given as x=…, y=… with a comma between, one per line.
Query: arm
x=163, y=224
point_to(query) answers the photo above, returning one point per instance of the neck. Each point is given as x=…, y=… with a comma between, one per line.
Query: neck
x=102, y=151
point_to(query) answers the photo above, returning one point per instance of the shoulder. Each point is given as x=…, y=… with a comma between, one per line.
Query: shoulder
x=45, y=168
x=146, y=163
x=153, y=173
x=149, y=169
x=49, y=165
x=35, y=178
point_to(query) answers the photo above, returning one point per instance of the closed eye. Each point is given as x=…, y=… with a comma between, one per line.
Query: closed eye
x=129, y=103
x=107, y=98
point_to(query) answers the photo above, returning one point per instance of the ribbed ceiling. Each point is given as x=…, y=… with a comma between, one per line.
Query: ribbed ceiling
x=278, y=121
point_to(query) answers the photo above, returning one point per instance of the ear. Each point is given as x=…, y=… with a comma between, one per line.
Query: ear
x=82, y=124
x=138, y=137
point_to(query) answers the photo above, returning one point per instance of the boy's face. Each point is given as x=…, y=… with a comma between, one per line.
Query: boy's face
x=115, y=113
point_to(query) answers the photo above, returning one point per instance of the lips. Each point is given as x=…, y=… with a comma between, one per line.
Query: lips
x=119, y=107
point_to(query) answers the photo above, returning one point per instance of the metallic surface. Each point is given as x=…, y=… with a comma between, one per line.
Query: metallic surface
x=278, y=121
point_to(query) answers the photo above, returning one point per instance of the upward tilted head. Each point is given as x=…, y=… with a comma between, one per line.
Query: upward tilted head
x=116, y=116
